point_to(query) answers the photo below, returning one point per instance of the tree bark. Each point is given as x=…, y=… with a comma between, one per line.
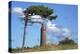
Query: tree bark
x=24, y=34
x=43, y=36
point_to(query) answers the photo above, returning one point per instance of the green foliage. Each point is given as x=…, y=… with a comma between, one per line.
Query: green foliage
x=67, y=41
x=40, y=10
x=52, y=17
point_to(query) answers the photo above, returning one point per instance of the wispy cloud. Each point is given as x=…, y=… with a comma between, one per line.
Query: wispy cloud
x=56, y=30
x=36, y=18
x=18, y=11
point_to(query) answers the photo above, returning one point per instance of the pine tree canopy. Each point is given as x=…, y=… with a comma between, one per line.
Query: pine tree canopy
x=41, y=10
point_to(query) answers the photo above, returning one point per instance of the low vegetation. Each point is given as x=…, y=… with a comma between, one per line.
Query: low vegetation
x=63, y=45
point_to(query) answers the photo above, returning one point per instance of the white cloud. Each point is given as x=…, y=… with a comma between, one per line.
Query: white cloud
x=58, y=31
x=52, y=28
x=37, y=18
x=66, y=30
x=18, y=11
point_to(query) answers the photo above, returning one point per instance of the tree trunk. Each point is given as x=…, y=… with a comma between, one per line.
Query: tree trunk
x=24, y=34
x=43, y=36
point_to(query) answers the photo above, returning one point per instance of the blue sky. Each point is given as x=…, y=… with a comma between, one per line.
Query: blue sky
x=67, y=17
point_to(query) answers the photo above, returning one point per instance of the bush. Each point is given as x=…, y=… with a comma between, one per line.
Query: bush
x=67, y=41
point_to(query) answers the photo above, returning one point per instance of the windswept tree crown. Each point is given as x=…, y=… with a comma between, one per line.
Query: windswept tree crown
x=41, y=10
